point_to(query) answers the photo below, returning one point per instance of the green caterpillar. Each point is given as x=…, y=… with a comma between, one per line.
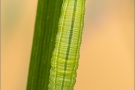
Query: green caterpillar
x=66, y=53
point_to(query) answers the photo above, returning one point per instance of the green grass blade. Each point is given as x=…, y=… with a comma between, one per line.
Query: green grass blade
x=46, y=25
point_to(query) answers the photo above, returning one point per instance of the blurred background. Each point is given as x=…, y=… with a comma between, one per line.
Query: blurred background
x=107, y=50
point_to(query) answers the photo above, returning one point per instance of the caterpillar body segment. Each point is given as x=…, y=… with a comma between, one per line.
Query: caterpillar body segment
x=65, y=56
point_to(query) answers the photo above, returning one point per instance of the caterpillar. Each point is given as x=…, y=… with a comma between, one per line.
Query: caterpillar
x=64, y=62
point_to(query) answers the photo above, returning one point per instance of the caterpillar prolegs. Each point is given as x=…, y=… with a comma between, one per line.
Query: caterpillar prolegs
x=65, y=56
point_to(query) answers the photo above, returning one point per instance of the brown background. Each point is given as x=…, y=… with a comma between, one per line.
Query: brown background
x=107, y=50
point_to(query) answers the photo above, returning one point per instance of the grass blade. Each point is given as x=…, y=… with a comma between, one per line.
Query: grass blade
x=46, y=25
